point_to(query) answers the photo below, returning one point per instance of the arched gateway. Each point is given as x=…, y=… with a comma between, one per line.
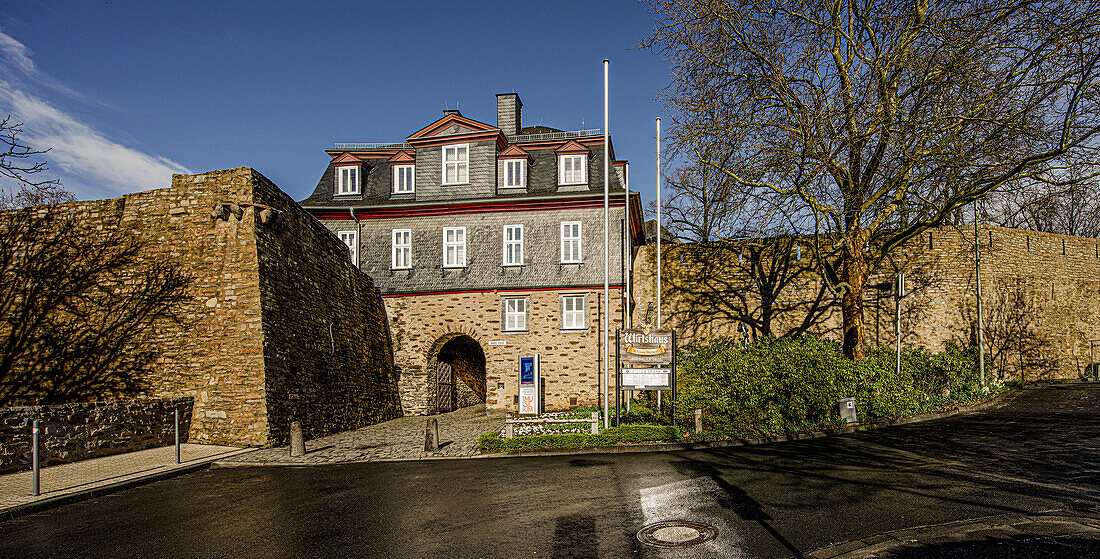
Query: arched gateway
x=457, y=369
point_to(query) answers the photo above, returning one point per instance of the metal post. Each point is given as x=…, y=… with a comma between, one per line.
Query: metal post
x=34, y=460
x=618, y=378
x=177, y=435
x=606, y=261
x=897, y=316
x=627, y=258
x=978, y=281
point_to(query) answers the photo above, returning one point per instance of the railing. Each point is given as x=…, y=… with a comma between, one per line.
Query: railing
x=511, y=422
x=512, y=139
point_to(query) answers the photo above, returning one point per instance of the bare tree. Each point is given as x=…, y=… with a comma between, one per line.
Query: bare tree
x=1068, y=209
x=20, y=166
x=876, y=120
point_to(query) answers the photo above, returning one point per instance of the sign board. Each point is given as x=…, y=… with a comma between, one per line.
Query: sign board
x=646, y=379
x=497, y=342
x=529, y=385
x=652, y=347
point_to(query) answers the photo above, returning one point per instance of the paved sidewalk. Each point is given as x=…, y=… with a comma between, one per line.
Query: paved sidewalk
x=66, y=482
x=397, y=439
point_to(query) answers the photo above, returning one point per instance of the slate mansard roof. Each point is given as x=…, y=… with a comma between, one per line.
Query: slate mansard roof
x=540, y=146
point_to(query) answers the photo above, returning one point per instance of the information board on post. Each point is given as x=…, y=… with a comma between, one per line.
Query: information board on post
x=653, y=347
x=647, y=379
x=529, y=385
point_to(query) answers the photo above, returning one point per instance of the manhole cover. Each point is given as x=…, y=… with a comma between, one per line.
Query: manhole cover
x=676, y=533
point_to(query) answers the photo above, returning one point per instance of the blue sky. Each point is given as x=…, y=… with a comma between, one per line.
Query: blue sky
x=127, y=93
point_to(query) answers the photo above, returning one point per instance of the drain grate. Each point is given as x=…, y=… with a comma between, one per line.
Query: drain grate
x=676, y=533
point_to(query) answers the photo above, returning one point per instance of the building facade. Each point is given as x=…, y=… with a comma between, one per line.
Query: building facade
x=487, y=243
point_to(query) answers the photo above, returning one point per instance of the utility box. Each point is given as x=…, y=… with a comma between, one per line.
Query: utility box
x=848, y=410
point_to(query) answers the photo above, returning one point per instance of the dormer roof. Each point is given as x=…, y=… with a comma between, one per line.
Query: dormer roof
x=514, y=152
x=346, y=158
x=572, y=146
x=402, y=158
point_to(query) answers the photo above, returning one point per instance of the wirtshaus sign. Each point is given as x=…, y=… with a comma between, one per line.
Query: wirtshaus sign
x=641, y=346
x=646, y=361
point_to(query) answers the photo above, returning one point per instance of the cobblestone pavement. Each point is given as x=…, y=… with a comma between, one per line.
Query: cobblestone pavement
x=65, y=480
x=397, y=439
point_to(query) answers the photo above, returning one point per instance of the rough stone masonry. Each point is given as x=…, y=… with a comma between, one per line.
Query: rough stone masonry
x=279, y=323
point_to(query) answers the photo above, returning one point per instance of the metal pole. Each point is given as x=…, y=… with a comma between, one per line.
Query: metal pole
x=628, y=263
x=35, y=486
x=606, y=262
x=897, y=315
x=978, y=281
x=658, y=225
x=177, y=435
x=659, y=239
x=618, y=379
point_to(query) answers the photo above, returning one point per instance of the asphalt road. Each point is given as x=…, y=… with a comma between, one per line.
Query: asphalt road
x=1039, y=453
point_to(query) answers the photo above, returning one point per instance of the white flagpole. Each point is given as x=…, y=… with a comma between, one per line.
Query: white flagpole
x=606, y=261
x=658, y=238
x=658, y=222
x=628, y=263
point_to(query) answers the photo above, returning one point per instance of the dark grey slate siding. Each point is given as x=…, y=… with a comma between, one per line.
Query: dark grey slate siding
x=484, y=251
x=482, y=174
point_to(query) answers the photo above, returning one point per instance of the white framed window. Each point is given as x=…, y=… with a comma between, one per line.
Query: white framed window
x=515, y=173
x=347, y=179
x=570, y=242
x=402, y=249
x=456, y=164
x=515, y=314
x=513, y=245
x=573, y=312
x=571, y=169
x=351, y=238
x=403, y=179
x=454, y=247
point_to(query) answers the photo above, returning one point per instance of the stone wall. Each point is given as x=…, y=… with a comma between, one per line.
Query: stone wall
x=267, y=280
x=78, y=431
x=571, y=360
x=1053, y=280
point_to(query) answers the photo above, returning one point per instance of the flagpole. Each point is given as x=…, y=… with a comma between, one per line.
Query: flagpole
x=659, y=239
x=606, y=260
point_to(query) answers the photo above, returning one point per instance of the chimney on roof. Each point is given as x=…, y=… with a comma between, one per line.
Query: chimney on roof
x=451, y=112
x=509, y=108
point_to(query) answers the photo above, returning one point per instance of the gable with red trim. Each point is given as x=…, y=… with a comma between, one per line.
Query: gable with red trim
x=447, y=124
x=514, y=152
x=346, y=159
x=573, y=146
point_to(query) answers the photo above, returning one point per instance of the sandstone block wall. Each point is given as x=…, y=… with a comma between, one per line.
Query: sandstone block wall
x=78, y=431
x=1056, y=278
x=571, y=360
x=267, y=280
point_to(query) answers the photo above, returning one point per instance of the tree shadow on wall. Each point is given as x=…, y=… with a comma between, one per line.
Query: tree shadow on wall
x=80, y=308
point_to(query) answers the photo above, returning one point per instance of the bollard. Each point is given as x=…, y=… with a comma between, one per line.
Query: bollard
x=34, y=459
x=297, y=443
x=177, y=435
x=431, y=435
x=595, y=423
x=698, y=421
x=509, y=427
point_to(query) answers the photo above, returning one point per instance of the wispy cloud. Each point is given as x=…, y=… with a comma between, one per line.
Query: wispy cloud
x=90, y=164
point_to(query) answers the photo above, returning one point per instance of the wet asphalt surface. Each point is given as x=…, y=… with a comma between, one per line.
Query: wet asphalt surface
x=1039, y=453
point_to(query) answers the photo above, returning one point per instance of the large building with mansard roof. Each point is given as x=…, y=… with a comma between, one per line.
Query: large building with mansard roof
x=487, y=243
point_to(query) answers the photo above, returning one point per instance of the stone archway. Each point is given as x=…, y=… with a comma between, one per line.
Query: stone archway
x=456, y=373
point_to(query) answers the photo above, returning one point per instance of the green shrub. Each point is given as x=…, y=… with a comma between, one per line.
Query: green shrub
x=775, y=385
x=637, y=433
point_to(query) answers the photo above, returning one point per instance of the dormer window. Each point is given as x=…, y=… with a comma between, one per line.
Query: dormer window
x=403, y=179
x=456, y=164
x=571, y=169
x=515, y=173
x=347, y=179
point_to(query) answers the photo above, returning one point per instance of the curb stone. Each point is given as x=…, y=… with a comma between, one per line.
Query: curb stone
x=101, y=490
x=1083, y=523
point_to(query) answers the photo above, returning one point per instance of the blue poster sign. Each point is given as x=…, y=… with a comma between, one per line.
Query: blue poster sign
x=527, y=370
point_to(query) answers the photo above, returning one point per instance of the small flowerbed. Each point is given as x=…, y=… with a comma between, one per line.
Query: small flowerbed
x=625, y=434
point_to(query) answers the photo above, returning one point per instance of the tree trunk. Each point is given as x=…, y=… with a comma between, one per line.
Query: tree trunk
x=854, y=273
